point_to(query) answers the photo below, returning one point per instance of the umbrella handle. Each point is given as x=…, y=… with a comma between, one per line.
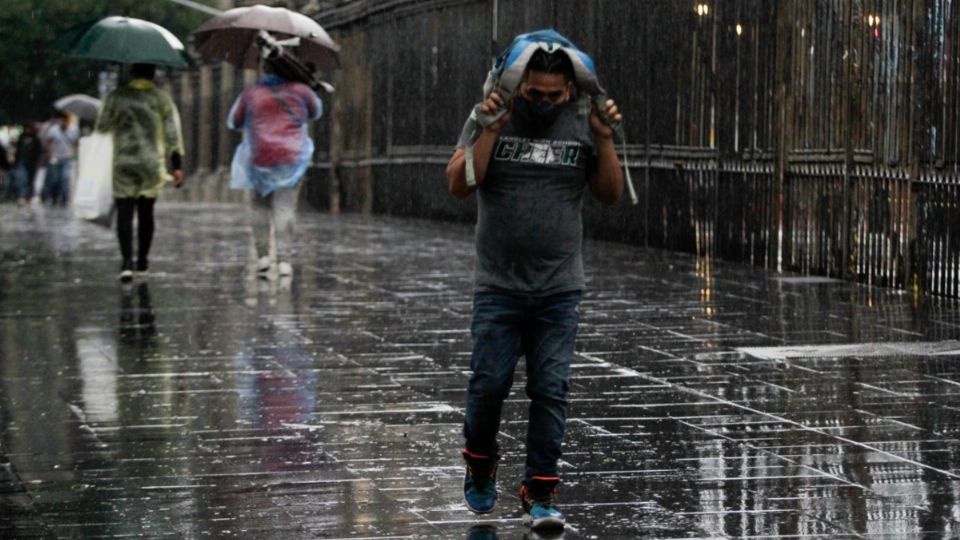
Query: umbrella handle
x=270, y=46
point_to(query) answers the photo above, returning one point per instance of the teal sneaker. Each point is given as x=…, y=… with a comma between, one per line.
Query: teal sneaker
x=480, y=482
x=538, y=496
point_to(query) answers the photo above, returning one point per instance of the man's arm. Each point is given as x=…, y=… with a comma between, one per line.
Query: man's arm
x=482, y=148
x=606, y=180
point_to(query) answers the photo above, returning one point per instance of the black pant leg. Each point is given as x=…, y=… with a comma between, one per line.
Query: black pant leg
x=145, y=227
x=125, y=209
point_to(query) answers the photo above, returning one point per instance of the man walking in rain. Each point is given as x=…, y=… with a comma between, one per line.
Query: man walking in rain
x=272, y=159
x=532, y=166
x=60, y=140
x=146, y=133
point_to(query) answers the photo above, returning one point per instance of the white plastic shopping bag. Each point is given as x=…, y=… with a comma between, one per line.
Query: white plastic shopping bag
x=93, y=200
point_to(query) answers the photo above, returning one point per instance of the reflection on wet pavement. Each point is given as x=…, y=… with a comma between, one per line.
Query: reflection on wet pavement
x=709, y=400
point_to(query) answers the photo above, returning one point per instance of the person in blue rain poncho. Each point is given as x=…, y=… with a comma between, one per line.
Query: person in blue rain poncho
x=272, y=159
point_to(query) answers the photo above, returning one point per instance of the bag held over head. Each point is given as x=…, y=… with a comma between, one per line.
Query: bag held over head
x=509, y=69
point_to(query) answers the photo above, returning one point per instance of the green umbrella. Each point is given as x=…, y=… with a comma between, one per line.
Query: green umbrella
x=129, y=41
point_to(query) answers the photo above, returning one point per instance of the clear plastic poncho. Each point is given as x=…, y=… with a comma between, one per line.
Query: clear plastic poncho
x=146, y=131
x=276, y=148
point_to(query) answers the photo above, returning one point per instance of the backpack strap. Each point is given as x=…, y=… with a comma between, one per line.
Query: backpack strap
x=600, y=101
x=471, y=172
x=480, y=122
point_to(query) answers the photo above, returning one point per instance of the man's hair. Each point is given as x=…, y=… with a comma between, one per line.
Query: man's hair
x=143, y=71
x=550, y=63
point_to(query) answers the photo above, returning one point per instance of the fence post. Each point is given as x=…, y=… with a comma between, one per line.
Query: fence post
x=845, y=249
x=646, y=129
x=203, y=143
x=784, y=17
x=187, y=106
x=911, y=280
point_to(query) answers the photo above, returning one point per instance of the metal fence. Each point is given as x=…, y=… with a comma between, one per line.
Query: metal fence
x=819, y=136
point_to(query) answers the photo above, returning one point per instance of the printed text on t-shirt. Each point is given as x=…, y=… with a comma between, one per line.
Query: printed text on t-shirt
x=542, y=152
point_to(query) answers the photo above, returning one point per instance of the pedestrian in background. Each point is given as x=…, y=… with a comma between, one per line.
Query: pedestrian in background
x=146, y=132
x=60, y=141
x=272, y=159
x=7, y=181
x=26, y=160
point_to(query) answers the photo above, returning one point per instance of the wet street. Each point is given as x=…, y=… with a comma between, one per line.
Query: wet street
x=709, y=400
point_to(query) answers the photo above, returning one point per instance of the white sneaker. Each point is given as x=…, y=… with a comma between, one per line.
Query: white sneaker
x=264, y=265
x=126, y=272
x=284, y=269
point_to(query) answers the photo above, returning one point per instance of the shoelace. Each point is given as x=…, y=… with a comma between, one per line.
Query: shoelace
x=482, y=474
x=547, y=500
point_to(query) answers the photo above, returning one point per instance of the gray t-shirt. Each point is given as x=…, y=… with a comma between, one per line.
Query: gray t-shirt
x=529, y=231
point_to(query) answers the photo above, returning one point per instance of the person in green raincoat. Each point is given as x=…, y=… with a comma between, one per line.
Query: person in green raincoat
x=146, y=133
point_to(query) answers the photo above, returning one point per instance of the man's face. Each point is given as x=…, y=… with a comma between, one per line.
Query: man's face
x=539, y=86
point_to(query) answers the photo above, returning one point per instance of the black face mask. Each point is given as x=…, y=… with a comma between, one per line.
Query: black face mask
x=535, y=115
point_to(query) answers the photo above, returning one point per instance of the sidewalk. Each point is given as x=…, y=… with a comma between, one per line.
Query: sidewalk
x=709, y=400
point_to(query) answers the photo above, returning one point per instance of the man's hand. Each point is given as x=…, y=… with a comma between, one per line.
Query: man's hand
x=491, y=106
x=601, y=129
x=178, y=178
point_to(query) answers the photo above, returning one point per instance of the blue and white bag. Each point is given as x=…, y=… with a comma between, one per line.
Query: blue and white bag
x=511, y=65
x=507, y=74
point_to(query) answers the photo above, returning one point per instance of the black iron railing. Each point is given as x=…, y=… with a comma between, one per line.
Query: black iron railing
x=817, y=136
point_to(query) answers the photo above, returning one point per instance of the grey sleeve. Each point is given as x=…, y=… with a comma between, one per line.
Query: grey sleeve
x=467, y=133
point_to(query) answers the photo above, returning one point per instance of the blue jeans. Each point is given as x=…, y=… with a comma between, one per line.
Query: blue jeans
x=543, y=330
x=23, y=180
x=56, y=185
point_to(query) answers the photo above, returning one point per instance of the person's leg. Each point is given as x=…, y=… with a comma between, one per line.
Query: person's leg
x=548, y=347
x=284, y=217
x=19, y=178
x=260, y=224
x=50, y=181
x=145, y=227
x=8, y=180
x=66, y=170
x=57, y=183
x=495, y=328
x=496, y=331
x=125, y=210
x=31, y=181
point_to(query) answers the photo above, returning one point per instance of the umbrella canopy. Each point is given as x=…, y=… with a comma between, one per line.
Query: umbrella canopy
x=130, y=41
x=82, y=105
x=231, y=36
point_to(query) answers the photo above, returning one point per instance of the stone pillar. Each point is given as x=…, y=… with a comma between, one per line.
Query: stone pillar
x=203, y=144
x=186, y=123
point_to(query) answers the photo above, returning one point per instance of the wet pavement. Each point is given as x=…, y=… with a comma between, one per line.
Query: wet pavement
x=709, y=400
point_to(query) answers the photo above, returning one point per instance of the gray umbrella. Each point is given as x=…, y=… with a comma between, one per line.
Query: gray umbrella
x=82, y=105
x=231, y=36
